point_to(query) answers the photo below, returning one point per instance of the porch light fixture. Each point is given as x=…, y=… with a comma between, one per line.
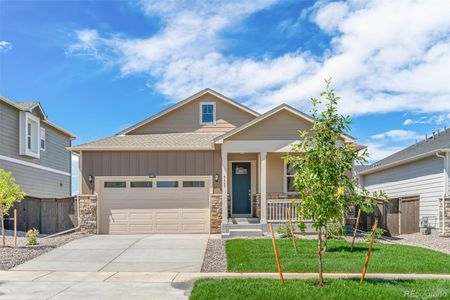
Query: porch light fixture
x=216, y=178
x=90, y=178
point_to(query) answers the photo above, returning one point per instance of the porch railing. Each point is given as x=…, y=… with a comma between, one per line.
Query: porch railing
x=277, y=210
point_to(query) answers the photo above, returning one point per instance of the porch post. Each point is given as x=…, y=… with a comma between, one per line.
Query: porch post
x=263, y=168
x=224, y=186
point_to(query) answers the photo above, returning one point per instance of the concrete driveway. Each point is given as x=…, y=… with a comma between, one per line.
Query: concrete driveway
x=125, y=253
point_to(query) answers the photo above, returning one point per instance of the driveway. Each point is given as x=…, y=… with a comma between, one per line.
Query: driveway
x=125, y=253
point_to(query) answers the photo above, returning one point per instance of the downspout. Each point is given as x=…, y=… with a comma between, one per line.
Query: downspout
x=445, y=189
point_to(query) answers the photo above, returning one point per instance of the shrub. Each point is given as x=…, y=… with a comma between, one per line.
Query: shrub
x=335, y=230
x=378, y=233
x=284, y=230
x=32, y=236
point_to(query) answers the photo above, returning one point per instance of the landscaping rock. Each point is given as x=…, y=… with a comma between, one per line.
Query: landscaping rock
x=215, y=259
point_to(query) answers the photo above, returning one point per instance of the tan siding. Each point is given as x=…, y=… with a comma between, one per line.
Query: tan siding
x=283, y=125
x=275, y=170
x=186, y=118
x=160, y=163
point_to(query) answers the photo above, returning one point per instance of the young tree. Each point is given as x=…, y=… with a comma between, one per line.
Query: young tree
x=9, y=194
x=323, y=163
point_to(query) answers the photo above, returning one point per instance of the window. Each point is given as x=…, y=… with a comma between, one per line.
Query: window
x=290, y=173
x=115, y=184
x=42, y=139
x=193, y=184
x=141, y=184
x=29, y=135
x=29, y=131
x=207, y=113
x=167, y=184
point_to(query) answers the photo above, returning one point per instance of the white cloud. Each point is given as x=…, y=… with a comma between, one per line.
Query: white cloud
x=384, y=55
x=397, y=135
x=434, y=119
x=5, y=46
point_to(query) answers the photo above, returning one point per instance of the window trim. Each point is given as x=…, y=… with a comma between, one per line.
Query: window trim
x=285, y=180
x=42, y=139
x=201, y=113
x=26, y=118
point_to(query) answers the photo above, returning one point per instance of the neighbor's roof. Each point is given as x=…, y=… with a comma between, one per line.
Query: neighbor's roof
x=160, y=141
x=29, y=106
x=271, y=112
x=185, y=101
x=430, y=146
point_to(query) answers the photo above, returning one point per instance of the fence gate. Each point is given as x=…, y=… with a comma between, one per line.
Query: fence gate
x=409, y=209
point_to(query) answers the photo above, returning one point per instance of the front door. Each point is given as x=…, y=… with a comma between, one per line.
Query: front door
x=241, y=195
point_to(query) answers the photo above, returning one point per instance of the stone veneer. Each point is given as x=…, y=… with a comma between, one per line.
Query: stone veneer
x=446, y=230
x=88, y=213
x=216, y=213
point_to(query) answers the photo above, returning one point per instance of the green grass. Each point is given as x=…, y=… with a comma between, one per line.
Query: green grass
x=257, y=256
x=305, y=289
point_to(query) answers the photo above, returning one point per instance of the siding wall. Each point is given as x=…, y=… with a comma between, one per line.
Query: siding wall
x=186, y=118
x=423, y=178
x=38, y=183
x=55, y=156
x=143, y=163
x=283, y=125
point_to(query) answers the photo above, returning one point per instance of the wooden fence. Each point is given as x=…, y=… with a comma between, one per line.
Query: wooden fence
x=47, y=215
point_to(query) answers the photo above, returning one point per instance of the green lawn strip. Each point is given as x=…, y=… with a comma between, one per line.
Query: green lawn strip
x=257, y=256
x=305, y=289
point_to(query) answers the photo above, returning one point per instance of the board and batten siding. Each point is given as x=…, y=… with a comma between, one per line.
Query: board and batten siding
x=187, y=118
x=144, y=163
x=423, y=178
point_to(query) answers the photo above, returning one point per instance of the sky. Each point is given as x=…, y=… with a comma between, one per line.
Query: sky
x=98, y=67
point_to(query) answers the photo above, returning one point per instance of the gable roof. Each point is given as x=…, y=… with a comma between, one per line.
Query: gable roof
x=439, y=142
x=186, y=101
x=271, y=112
x=160, y=141
x=29, y=106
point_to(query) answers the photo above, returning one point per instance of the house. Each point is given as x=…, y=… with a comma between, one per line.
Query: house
x=171, y=172
x=35, y=150
x=416, y=179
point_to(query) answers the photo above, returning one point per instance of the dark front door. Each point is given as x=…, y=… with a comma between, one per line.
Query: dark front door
x=241, y=195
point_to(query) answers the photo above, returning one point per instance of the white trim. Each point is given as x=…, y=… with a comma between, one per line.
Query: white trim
x=200, y=115
x=138, y=148
x=24, y=119
x=32, y=165
x=185, y=101
x=252, y=185
x=263, y=168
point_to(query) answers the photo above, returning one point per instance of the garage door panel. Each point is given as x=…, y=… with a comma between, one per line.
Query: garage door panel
x=154, y=210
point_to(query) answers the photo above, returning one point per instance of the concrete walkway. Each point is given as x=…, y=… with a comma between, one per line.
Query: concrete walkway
x=136, y=285
x=127, y=253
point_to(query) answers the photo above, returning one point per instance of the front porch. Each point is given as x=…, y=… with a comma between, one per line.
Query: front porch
x=258, y=189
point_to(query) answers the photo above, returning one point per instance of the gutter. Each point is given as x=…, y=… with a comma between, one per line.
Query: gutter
x=445, y=186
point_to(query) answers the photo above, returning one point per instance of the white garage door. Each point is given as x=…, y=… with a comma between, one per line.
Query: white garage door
x=163, y=205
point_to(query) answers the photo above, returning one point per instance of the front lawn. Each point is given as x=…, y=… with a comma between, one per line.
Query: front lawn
x=257, y=256
x=305, y=289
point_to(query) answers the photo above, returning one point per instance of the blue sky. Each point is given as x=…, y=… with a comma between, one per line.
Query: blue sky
x=100, y=66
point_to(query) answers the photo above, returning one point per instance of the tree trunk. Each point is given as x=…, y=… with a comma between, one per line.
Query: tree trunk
x=3, y=230
x=319, y=257
x=325, y=241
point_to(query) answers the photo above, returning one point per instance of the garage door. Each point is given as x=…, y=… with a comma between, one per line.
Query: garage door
x=163, y=205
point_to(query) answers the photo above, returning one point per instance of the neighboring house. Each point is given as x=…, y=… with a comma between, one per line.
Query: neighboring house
x=171, y=172
x=34, y=150
x=415, y=179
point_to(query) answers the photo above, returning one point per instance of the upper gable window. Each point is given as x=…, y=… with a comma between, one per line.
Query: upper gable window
x=207, y=113
x=29, y=132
